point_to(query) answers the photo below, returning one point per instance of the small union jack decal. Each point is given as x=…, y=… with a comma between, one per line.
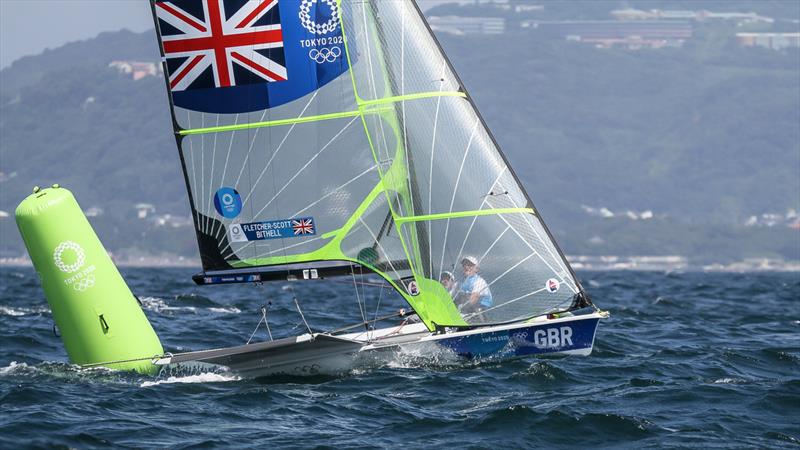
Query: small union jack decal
x=303, y=226
x=221, y=43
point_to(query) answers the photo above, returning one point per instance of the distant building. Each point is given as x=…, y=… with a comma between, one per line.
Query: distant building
x=94, y=211
x=137, y=70
x=632, y=34
x=143, y=209
x=528, y=8
x=775, y=41
x=172, y=221
x=657, y=14
x=467, y=25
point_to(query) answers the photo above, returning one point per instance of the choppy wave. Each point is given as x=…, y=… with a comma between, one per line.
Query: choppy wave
x=686, y=360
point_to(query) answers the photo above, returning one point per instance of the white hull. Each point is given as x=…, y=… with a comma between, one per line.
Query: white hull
x=319, y=353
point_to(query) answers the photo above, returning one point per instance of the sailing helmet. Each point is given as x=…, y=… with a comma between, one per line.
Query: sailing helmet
x=446, y=275
x=469, y=260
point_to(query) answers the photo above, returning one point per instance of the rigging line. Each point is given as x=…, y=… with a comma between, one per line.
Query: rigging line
x=512, y=268
x=547, y=247
x=383, y=250
x=492, y=246
x=504, y=304
x=430, y=178
x=215, y=231
x=555, y=257
x=211, y=176
x=544, y=243
x=537, y=254
x=377, y=308
x=358, y=296
x=297, y=303
x=278, y=149
x=455, y=189
x=369, y=169
x=474, y=219
x=306, y=165
x=250, y=149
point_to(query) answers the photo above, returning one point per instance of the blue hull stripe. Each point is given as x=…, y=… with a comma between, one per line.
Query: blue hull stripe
x=537, y=339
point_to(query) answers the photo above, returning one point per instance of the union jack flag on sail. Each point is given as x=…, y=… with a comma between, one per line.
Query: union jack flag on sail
x=303, y=226
x=221, y=43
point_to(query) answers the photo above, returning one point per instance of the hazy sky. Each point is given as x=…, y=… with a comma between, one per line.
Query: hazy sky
x=27, y=27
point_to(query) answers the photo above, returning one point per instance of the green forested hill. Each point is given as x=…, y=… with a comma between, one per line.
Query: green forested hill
x=704, y=136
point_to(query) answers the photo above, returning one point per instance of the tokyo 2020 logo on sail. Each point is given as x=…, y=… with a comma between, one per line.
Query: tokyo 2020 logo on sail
x=82, y=280
x=323, y=54
x=58, y=257
x=319, y=28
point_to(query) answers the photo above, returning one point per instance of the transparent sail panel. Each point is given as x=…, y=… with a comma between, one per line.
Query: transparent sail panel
x=374, y=241
x=521, y=277
x=334, y=98
x=396, y=54
x=274, y=192
x=445, y=154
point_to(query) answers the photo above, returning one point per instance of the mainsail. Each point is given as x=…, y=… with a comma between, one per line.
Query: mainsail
x=325, y=133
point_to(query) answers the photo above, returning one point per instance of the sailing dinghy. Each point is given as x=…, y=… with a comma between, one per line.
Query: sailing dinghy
x=323, y=138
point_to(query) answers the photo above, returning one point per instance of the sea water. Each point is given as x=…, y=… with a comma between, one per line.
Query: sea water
x=686, y=360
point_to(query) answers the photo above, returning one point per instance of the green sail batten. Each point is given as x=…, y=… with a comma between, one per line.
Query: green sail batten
x=458, y=214
x=269, y=123
x=433, y=304
x=407, y=97
x=364, y=107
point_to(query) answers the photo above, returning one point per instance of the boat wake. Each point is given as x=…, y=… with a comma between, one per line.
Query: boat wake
x=208, y=377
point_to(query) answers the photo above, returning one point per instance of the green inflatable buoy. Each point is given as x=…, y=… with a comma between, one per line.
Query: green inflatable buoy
x=100, y=320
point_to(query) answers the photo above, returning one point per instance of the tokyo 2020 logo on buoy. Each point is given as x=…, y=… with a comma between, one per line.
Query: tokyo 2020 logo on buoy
x=319, y=28
x=58, y=257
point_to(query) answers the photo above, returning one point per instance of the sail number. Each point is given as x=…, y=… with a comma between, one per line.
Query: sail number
x=549, y=338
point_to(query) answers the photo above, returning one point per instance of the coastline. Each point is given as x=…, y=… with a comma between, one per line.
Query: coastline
x=644, y=263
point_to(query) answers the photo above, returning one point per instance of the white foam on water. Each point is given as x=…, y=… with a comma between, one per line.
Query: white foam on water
x=15, y=312
x=424, y=354
x=189, y=379
x=231, y=310
x=730, y=381
x=13, y=367
x=158, y=305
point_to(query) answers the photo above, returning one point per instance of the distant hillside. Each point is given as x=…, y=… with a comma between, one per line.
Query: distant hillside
x=101, y=50
x=703, y=136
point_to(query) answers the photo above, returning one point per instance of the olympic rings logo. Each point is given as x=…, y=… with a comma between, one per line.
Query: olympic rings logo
x=84, y=283
x=325, y=54
x=314, y=27
x=58, y=254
